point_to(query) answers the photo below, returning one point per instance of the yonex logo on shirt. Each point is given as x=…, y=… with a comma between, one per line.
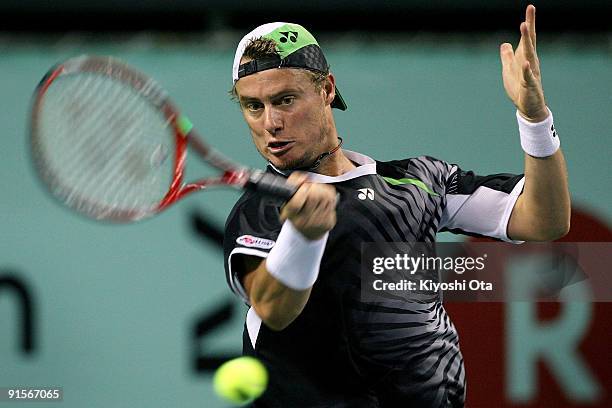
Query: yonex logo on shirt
x=365, y=193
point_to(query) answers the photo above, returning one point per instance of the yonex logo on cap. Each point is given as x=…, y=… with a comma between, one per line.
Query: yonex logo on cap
x=291, y=35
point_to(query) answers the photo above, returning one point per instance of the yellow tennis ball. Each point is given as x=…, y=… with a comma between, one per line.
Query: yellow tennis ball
x=241, y=380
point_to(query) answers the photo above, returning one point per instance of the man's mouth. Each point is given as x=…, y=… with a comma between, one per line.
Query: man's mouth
x=279, y=147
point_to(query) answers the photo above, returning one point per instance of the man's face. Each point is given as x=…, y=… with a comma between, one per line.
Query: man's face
x=286, y=115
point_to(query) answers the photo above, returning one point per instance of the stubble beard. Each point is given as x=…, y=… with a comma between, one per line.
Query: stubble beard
x=309, y=157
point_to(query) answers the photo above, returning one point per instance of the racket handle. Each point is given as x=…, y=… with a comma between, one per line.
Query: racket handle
x=270, y=184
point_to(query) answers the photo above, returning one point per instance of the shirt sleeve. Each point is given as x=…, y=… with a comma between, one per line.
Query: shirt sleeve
x=251, y=229
x=480, y=205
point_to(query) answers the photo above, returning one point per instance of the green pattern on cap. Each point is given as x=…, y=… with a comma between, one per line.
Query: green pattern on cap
x=290, y=38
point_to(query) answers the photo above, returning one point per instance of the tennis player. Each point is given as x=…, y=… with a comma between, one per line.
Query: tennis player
x=297, y=264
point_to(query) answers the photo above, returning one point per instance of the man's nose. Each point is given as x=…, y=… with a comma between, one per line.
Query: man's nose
x=273, y=121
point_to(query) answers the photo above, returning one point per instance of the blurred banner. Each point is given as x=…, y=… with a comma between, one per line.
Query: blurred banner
x=140, y=315
x=339, y=16
x=274, y=5
x=530, y=354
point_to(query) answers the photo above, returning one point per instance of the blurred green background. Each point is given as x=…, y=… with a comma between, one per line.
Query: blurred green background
x=117, y=306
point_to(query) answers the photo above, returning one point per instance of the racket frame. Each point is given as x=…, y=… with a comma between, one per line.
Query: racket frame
x=185, y=136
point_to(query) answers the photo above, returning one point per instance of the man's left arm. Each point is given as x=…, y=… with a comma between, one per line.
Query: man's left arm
x=542, y=211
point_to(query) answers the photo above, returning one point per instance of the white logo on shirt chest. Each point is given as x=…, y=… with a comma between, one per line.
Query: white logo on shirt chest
x=365, y=193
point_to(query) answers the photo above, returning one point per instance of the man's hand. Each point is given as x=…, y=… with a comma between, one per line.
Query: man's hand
x=312, y=209
x=521, y=72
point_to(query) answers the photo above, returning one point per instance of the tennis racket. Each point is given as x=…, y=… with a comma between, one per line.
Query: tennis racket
x=109, y=143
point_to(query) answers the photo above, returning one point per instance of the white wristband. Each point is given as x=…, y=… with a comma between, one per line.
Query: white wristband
x=538, y=139
x=295, y=260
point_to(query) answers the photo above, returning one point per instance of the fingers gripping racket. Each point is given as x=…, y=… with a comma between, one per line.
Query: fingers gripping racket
x=109, y=143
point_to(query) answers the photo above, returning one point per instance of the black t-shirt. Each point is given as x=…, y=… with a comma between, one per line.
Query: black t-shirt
x=344, y=352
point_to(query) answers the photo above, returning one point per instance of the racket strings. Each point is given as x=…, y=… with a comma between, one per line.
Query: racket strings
x=99, y=150
x=99, y=157
x=109, y=148
x=123, y=139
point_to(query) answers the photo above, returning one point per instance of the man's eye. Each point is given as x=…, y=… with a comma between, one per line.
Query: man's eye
x=287, y=100
x=253, y=106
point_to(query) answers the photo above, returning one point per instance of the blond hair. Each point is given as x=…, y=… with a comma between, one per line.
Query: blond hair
x=266, y=47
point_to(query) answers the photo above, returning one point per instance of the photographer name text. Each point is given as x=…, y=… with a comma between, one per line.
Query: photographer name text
x=430, y=285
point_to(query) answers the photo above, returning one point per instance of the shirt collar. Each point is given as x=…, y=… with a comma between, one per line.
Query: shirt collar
x=365, y=166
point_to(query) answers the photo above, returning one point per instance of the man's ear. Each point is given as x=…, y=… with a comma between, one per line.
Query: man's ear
x=329, y=86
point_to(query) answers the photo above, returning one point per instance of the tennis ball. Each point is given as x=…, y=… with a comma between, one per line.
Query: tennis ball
x=241, y=380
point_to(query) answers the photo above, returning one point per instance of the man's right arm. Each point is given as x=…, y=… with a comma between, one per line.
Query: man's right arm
x=275, y=303
x=278, y=287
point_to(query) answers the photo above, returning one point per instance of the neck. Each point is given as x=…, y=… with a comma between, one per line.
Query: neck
x=335, y=165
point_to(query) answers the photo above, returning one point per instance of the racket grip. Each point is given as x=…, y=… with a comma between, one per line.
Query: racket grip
x=270, y=184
